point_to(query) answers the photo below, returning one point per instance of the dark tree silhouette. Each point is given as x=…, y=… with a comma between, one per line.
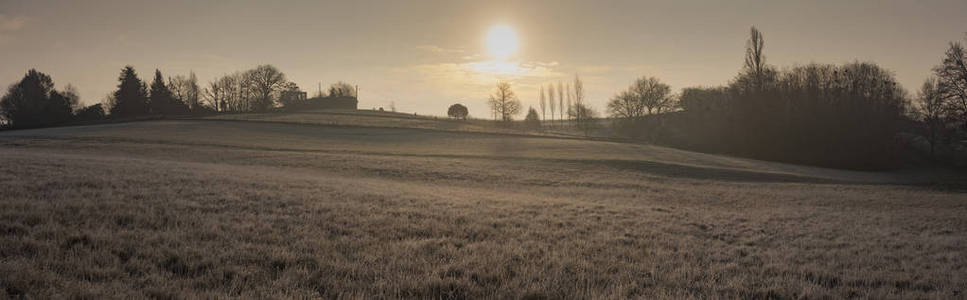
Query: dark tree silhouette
x=755, y=58
x=756, y=76
x=578, y=90
x=842, y=116
x=933, y=111
x=654, y=95
x=625, y=105
x=265, y=81
x=583, y=117
x=34, y=102
x=91, y=113
x=532, y=120
x=458, y=111
x=292, y=96
x=186, y=90
x=161, y=99
x=217, y=94
x=258, y=89
x=831, y=115
x=703, y=100
x=952, y=80
x=646, y=95
x=131, y=97
x=233, y=92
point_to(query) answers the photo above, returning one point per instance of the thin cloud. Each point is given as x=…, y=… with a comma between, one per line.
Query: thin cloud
x=603, y=69
x=11, y=24
x=595, y=69
x=439, y=50
x=484, y=72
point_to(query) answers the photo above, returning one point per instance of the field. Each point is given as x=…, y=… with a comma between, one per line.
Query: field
x=365, y=118
x=299, y=208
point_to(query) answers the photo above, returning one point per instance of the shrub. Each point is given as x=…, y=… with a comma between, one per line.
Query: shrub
x=90, y=113
x=532, y=120
x=456, y=111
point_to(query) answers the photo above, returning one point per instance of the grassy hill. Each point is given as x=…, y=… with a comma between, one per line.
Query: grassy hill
x=369, y=118
x=287, y=205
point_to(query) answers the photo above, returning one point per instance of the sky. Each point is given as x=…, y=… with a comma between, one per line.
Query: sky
x=422, y=56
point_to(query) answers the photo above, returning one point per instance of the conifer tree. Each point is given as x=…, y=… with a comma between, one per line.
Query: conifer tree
x=131, y=96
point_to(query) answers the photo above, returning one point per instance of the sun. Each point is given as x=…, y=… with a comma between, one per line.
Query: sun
x=501, y=41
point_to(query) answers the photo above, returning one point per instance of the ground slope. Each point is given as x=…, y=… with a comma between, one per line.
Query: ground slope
x=240, y=208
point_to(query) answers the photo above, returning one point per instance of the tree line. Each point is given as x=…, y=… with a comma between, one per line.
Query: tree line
x=565, y=102
x=35, y=102
x=569, y=104
x=845, y=115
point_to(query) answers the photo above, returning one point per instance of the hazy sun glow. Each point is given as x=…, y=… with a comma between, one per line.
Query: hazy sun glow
x=501, y=41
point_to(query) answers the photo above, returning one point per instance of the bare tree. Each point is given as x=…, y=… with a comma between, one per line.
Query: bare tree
x=241, y=91
x=185, y=90
x=583, y=117
x=217, y=93
x=578, y=90
x=543, y=104
x=177, y=86
x=667, y=103
x=504, y=102
x=932, y=111
x=550, y=98
x=952, y=80
x=567, y=91
x=237, y=90
x=108, y=102
x=193, y=92
x=755, y=59
x=266, y=81
x=560, y=99
x=342, y=89
x=652, y=93
x=626, y=105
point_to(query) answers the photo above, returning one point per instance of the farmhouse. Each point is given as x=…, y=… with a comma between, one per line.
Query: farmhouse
x=292, y=97
x=296, y=100
x=336, y=102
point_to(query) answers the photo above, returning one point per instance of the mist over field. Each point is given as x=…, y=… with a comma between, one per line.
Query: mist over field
x=494, y=150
